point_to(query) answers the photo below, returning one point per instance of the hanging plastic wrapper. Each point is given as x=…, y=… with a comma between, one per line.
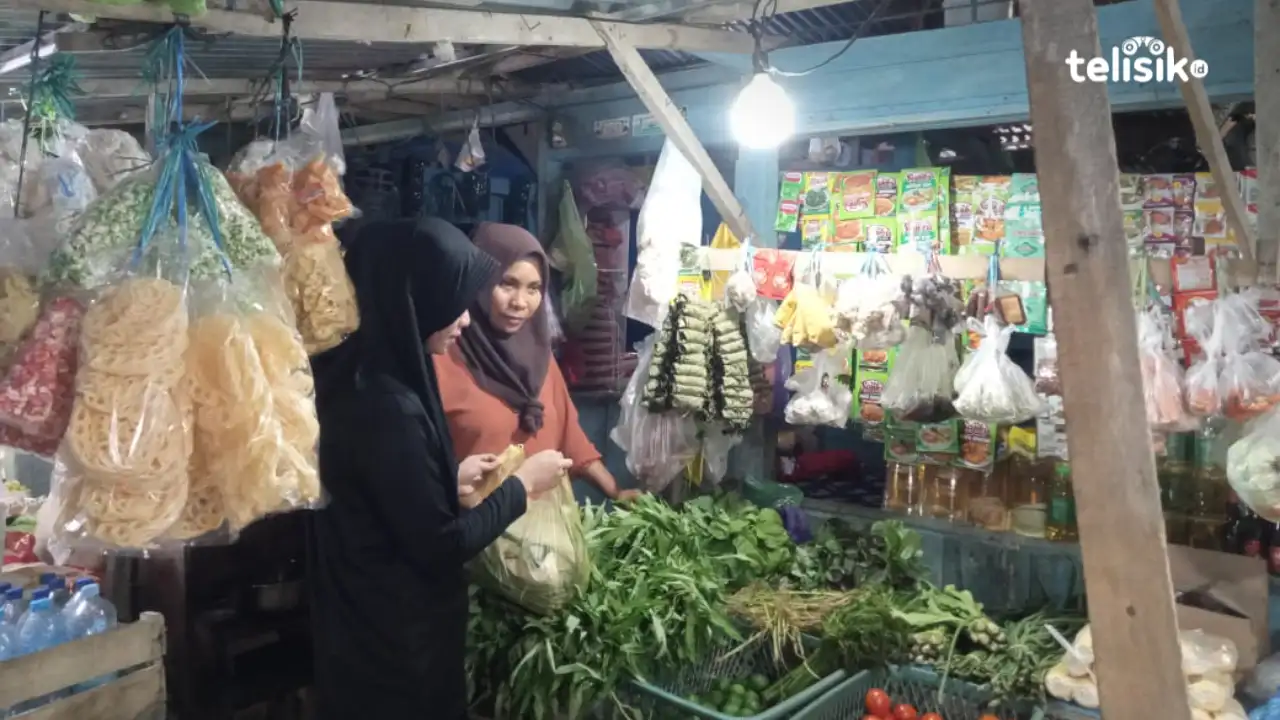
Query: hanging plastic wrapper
x=764, y=337
x=658, y=444
x=540, y=562
x=1163, y=384
x=920, y=386
x=989, y=387
x=1236, y=377
x=740, y=288
x=670, y=221
x=820, y=397
x=111, y=156
x=572, y=255
x=870, y=307
x=471, y=156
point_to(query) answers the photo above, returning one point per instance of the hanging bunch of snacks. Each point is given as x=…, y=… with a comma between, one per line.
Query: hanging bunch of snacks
x=699, y=366
x=870, y=307
x=294, y=187
x=732, y=398
x=1163, y=383
x=740, y=288
x=989, y=386
x=920, y=387
x=678, y=377
x=193, y=405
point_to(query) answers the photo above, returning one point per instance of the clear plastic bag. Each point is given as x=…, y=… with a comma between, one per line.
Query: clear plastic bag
x=126, y=452
x=1249, y=384
x=989, y=386
x=764, y=338
x=658, y=445
x=740, y=290
x=38, y=387
x=1207, y=654
x=820, y=398
x=1162, y=378
x=322, y=127
x=111, y=156
x=920, y=387
x=670, y=221
x=255, y=421
x=869, y=309
x=540, y=562
x=297, y=196
x=1253, y=466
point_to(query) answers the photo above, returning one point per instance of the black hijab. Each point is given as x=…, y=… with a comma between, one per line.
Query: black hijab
x=412, y=278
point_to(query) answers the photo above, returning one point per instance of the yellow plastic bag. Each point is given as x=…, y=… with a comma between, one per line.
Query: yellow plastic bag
x=540, y=562
x=724, y=239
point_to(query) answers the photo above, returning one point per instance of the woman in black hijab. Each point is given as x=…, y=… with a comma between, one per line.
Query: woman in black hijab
x=389, y=605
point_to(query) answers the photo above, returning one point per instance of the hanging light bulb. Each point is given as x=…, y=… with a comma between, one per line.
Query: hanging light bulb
x=762, y=117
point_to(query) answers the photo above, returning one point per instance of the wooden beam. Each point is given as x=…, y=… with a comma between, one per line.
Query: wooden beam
x=331, y=20
x=1169, y=15
x=1266, y=95
x=720, y=14
x=238, y=87
x=676, y=127
x=1122, y=537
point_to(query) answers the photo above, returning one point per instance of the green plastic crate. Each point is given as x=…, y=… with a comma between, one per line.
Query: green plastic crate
x=915, y=686
x=666, y=699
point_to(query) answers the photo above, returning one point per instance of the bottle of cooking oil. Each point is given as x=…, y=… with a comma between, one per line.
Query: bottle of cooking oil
x=1209, y=492
x=1062, y=505
x=1174, y=472
x=989, y=499
x=903, y=490
x=947, y=496
x=1029, y=485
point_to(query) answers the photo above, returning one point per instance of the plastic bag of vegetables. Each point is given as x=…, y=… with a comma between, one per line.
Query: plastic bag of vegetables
x=1253, y=466
x=540, y=562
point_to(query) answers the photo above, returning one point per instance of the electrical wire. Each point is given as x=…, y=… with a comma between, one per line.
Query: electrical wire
x=760, y=57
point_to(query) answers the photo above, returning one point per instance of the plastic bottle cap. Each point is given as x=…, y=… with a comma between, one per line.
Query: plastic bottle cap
x=13, y=593
x=45, y=578
x=41, y=603
x=91, y=590
x=4, y=587
x=82, y=582
x=40, y=594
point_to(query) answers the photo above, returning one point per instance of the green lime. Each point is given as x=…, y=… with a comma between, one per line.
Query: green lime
x=732, y=709
x=738, y=690
x=758, y=682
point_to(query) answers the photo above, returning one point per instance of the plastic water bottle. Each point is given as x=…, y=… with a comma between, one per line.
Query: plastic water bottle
x=76, y=597
x=88, y=613
x=36, y=594
x=46, y=578
x=59, y=593
x=41, y=626
x=8, y=645
x=12, y=605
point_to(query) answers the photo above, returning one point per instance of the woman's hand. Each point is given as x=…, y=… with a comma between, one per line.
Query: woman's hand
x=470, y=472
x=542, y=472
x=625, y=496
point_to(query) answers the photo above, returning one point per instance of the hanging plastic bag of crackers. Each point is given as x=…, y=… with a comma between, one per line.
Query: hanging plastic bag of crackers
x=38, y=343
x=1162, y=378
x=255, y=427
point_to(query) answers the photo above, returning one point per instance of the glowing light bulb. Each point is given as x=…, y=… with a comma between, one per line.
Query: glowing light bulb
x=762, y=116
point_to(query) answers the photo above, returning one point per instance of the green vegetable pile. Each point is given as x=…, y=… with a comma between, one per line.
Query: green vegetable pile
x=655, y=601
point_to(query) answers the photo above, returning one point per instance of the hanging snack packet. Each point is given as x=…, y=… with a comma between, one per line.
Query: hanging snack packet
x=1162, y=378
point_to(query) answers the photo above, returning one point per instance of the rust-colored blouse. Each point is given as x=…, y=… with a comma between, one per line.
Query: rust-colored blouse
x=481, y=423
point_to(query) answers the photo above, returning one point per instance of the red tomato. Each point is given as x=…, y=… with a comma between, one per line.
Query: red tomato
x=931, y=716
x=904, y=712
x=878, y=703
x=871, y=717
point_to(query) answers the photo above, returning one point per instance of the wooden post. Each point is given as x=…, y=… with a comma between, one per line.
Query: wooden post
x=1122, y=536
x=1169, y=13
x=1266, y=95
x=674, y=124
